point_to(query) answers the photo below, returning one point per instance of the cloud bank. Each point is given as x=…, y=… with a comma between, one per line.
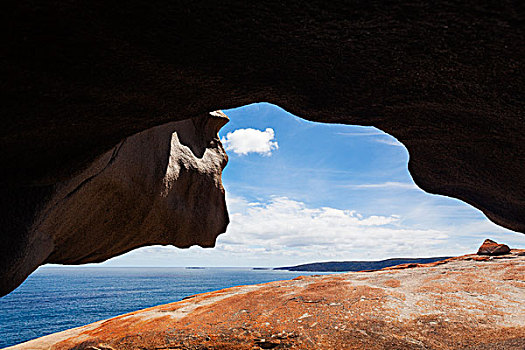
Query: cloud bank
x=286, y=227
x=279, y=231
x=244, y=141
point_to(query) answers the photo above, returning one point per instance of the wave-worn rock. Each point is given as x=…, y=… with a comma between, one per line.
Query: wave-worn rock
x=467, y=302
x=161, y=186
x=78, y=77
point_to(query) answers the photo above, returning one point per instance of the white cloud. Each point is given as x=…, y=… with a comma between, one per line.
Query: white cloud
x=284, y=227
x=366, y=131
x=388, y=184
x=244, y=141
x=362, y=133
x=389, y=141
x=281, y=231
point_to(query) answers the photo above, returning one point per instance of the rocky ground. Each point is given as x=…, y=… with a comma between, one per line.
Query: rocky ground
x=467, y=302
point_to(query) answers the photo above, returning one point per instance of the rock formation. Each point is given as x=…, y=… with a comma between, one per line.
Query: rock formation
x=161, y=186
x=468, y=302
x=78, y=77
x=489, y=247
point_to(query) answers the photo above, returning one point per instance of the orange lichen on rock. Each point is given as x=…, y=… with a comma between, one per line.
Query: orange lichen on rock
x=489, y=247
x=458, y=303
x=392, y=283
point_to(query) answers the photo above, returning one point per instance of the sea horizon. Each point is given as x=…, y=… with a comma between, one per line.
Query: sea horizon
x=59, y=297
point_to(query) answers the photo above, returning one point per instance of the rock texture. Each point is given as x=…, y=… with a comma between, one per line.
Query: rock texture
x=161, y=186
x=78, y=77
x=489, y=247
x=468, y=302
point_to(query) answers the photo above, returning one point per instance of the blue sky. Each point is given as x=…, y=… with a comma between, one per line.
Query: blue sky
x=300, y=192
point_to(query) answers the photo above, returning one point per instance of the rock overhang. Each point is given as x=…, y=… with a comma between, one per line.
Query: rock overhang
x=444, y=79
x=160, y=186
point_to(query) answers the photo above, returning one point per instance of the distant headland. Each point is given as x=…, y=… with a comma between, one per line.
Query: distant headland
x=347, y=266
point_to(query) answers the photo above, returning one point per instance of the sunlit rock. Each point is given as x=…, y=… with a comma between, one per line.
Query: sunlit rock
x=489, y=247
x=458, y=303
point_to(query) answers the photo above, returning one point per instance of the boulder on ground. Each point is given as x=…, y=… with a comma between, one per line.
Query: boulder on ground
x=489, y=247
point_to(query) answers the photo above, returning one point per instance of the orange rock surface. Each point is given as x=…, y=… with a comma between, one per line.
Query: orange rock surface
x=489, y=247
x=467, y=302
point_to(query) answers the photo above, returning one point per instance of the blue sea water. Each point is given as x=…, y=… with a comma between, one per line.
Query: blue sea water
x=54, y=299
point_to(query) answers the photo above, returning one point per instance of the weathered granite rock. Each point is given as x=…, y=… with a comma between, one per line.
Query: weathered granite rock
x=459, y=303
x=161, y=186
x=489, y=247
x=446, y=79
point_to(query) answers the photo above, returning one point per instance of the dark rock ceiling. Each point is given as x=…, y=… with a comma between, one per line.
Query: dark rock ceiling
x=445, y=78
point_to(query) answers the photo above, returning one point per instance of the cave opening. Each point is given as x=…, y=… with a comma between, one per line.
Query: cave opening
x=297, y=192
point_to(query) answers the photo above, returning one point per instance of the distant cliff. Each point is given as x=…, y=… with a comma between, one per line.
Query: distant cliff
x=346, y=266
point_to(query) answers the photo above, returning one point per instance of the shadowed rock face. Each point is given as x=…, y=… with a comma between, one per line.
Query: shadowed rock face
x=445, y=79
x=161, y=186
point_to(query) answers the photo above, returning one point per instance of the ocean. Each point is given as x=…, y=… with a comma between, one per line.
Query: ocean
x=54, y=299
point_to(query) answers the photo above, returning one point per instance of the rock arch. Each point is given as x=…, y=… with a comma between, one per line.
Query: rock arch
x=445, y=79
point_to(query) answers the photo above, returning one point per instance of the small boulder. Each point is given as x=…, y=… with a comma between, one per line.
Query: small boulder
x=489, y=247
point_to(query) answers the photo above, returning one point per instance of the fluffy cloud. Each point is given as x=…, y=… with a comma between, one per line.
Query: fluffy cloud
x=284, y=227
x=280, y=231
x=244, y=141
